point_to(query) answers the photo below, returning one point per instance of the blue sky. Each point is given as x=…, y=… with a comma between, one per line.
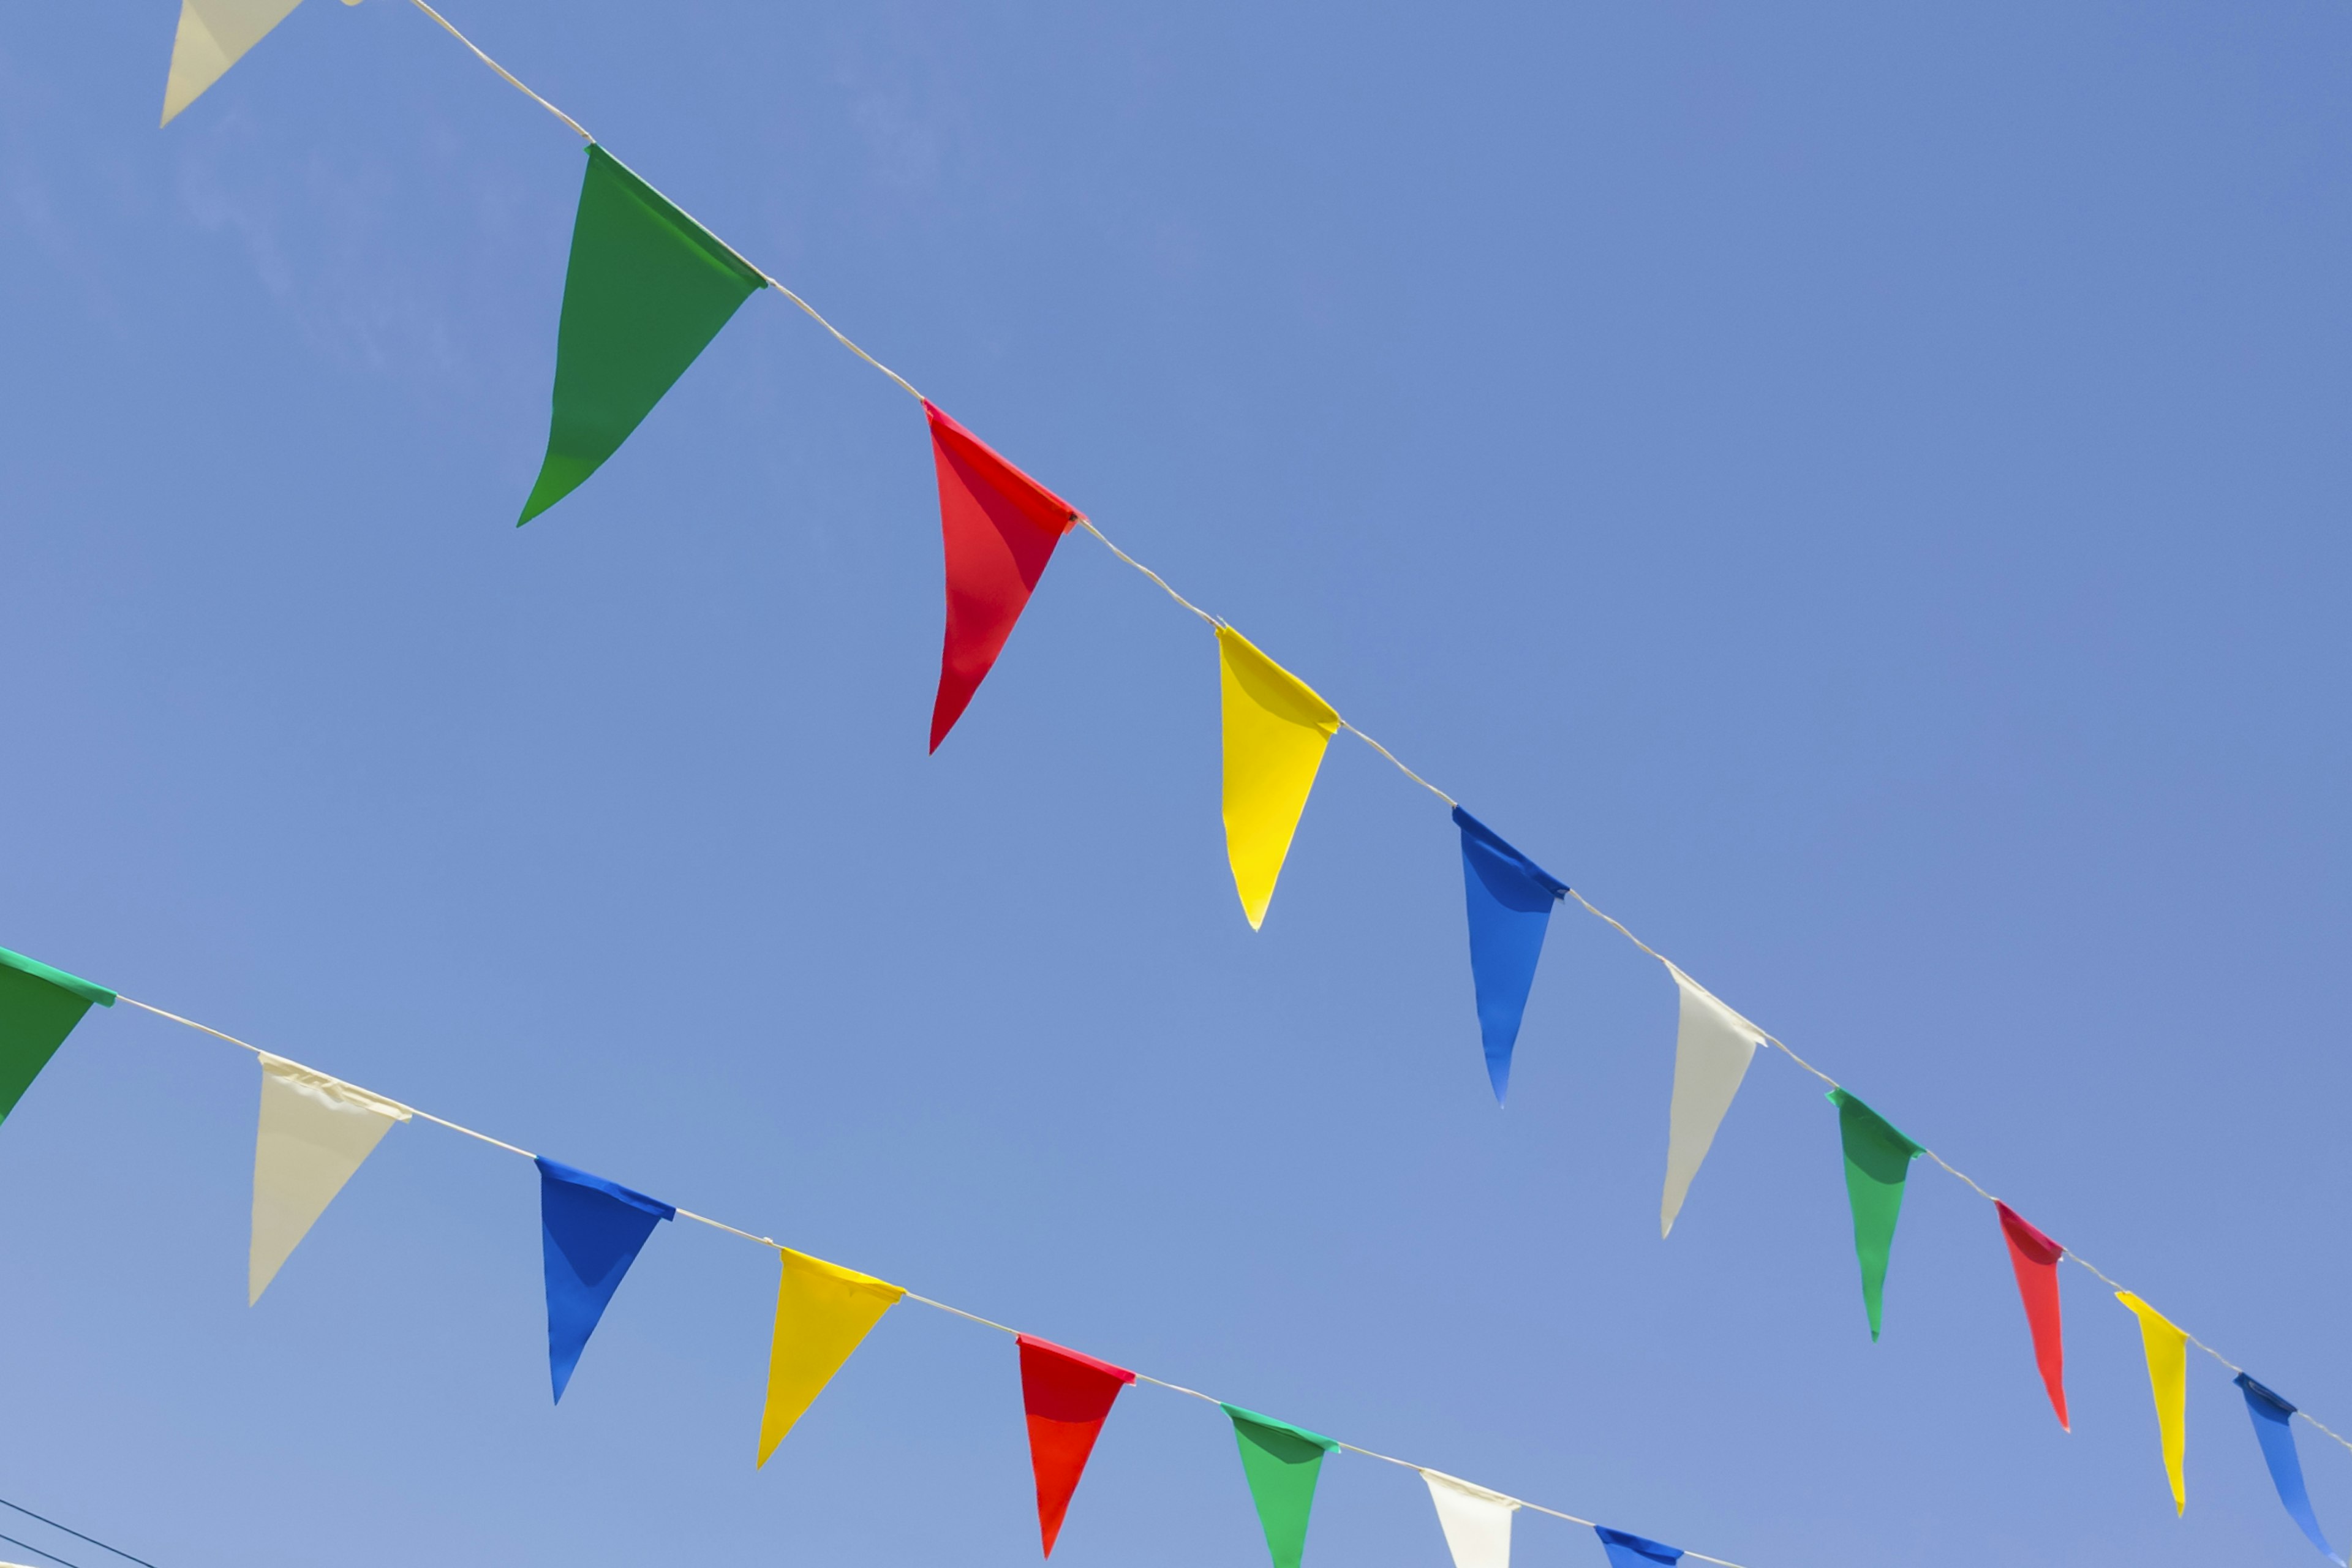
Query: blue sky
x=1856, y=490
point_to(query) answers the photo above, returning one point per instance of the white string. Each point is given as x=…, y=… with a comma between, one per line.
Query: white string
x=777, y=1245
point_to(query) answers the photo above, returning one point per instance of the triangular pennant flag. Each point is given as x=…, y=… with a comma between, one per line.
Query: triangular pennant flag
x=822, y=1312
x=1275, y=731
x=998, y=528
x=647, y=289
x=1629, y=1551
x=2034, y=1259
x=1066, y=1397
x=315, y=1131
x=1282, y=1462
x=2167, y=1380
x=38, y=1008
x=2272, y=1416
x=1877, y=1159
x=590, y=1232
x=1510, y=906
x=214, y=36
x=1477, y=1522
x=1712, y=1046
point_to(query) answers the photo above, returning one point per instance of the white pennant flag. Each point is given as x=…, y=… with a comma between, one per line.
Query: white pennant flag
x=1477, y=1522
x=1712, y=1046
x=214, y=36
x=315, y=1131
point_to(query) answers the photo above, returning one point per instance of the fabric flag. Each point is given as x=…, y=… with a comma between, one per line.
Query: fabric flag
x=647, y=289
x=1275, y=731
x=1510, y=906
x=1629, y=1551
x=1712, y=1046
x=822, y=1312
x=590, y=1231
x=1877, y=1159
x=1066, y=1396
x=38, y=1008
x=2272, y=1416
x=1477, y=1522
x=2034, y=1257
x=998, y=526
x=1282, y=1462
x=214, y=36
x=315, y=1131
x=2167, y=1380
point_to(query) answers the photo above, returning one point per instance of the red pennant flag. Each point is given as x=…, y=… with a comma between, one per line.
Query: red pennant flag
x=999, y=527
x=2035, y=1257
x=1066, y=1397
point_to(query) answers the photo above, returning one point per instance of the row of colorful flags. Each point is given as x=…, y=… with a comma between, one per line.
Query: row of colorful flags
x=314, y=1132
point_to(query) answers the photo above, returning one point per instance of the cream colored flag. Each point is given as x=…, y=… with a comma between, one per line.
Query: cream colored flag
x=315, y=1131
x=1477, y=1522
x=1712, y=1046
x=214, y=36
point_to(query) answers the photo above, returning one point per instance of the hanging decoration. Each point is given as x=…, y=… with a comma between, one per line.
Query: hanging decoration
x=998, y=528
x=1877, y=1159
x=2272, y=1417
x=214, y=36
x=1066, y=1398
x=2034, y=1259
x=1510, y=900
x=590, y=1232
x=1712, y=1046
x=824, y=1312
x=314, y=1132
x=1476, y=1522
x=1282, y=1463
x=38, y=1008
x=647, y=291
x=2167, y=1380
x=1277, y=729
x=1626, y=1550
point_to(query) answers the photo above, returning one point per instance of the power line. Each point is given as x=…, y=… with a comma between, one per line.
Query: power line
x=69, y=1529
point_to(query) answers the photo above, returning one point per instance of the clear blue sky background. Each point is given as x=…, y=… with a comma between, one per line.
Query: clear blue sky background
x=1858, y=490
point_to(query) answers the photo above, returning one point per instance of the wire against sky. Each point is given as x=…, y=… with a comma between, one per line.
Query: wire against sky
x=69, y=1529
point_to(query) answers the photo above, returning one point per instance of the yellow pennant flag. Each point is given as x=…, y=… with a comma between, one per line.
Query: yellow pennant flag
x=2168, y=1379
x=823, y=1311
x=1275, y=731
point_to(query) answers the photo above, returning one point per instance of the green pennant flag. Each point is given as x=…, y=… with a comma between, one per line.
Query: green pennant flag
x=647, y=291
x=1282, y=1462
x=1877, y=1158
x=38, y=1008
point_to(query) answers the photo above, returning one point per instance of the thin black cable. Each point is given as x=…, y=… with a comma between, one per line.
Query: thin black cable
x=69, y=1529
x=37, y=1551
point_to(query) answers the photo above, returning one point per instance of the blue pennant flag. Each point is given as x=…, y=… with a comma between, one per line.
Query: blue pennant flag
x=591, y=1230
x=1511, y=905
x=1629, y=1551
x=2270, y=1416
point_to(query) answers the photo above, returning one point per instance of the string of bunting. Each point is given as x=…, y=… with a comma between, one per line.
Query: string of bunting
x=315, y=1131
x=647, y=289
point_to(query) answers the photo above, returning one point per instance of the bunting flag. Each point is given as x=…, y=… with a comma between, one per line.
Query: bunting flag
x=1275, y=731
x=1477, y=1522
x=647, y=291
x=2272, y=1416
x=822, y=1312
x=214, y=36
x=1066, y=1396
x=1510, y=906
x=315, y=1131
x=2167, y=1380
x=38, y=1008
x=1712, y=1046
x=2034, y=1257
x=998, y=528
x=1629, y=1551
x=1282, y=1463
x=590, y=1231
x=1877, y=1159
